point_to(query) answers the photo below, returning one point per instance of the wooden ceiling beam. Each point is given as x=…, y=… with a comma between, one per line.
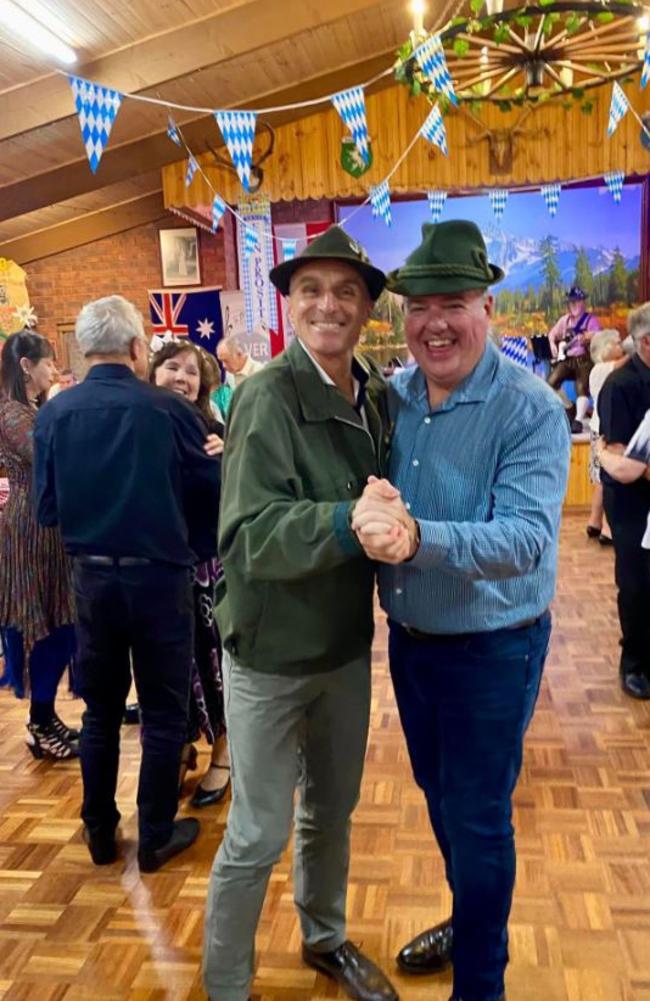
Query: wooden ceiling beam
x=85, y=229
x=172, y=54
x=155, y=151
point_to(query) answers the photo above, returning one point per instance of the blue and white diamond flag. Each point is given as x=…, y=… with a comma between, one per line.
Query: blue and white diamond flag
x=172, y=131
x=97, y=108
x=645, y=72
x=436, y=201
x=551, y=196
x=614, y=183
x=218, y=209
x=617, y=108
x=351, y=106
x=434, y=130
x=192, y=167
x=516, y=349
x=289, y=248
x=498, y=200
x=251, y=243
x=431, y=57
x=380, y=202
x=238, y=131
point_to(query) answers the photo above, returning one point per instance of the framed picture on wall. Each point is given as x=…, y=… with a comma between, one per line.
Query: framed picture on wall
x=179, y=256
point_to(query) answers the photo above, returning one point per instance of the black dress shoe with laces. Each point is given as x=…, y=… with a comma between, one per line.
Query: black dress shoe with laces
x=428, y=952
x=184, y=834
x=359, y=977
x=636, y=685
x=502, y=998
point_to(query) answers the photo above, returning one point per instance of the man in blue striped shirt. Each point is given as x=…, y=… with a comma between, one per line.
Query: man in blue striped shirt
x=467, y=539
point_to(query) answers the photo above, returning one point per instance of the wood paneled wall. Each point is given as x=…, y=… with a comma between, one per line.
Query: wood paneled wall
x=555, y=145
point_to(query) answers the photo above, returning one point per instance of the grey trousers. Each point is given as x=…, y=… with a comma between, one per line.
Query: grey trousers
x=285, y=732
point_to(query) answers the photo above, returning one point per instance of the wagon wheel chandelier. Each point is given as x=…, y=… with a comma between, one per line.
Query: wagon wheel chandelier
x=534, y=53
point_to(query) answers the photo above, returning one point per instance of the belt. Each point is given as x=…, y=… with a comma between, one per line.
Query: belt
x=114, y=561
x=419, y=634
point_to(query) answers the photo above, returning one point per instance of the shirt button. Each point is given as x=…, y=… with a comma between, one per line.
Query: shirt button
x=427, y=420
x=398, y=590
x=349, y=484
x=416, y=462
x=408, y=505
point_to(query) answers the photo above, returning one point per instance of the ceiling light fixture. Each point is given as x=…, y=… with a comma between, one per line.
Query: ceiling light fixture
x=418, y=7
x=23, y=24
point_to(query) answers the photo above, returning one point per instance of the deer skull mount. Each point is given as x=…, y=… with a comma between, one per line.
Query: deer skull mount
x=257, y=174
x=502, y=142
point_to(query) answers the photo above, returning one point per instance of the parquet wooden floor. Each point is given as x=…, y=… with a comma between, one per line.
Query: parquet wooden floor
x=580, y=928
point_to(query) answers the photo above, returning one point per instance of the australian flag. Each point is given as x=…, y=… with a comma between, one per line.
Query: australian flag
x=191, y=313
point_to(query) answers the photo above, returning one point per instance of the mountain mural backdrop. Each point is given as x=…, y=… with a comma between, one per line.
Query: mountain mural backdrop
x=521, y=259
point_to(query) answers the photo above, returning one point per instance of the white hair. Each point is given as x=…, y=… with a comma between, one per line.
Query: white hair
x=601, y=343
x=107, y=326
x=638, y=323
x=233, y=345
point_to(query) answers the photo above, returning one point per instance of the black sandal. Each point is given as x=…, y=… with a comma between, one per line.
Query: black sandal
x=206, y=797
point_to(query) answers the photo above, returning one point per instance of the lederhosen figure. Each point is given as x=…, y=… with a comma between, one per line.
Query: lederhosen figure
x=569, y=340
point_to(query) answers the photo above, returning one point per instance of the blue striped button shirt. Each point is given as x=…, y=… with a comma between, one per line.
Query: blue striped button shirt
x=485, y=475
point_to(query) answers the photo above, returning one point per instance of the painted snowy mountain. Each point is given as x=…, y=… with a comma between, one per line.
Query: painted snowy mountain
x=521, y=260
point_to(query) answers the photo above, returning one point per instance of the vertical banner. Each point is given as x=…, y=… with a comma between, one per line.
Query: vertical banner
x=259, y=293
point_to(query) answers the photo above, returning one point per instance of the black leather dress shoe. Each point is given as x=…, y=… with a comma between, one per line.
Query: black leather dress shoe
x=502, y=998
x=636, y=685
x=206, y=797
x=101, y=845
x=131, y=713
x=357, y=975
x=185, y=834
x=428, y=952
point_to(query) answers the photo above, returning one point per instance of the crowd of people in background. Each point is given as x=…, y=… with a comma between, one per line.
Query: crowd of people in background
x=216, y=540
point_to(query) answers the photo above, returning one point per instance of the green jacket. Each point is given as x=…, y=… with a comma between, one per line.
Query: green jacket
x=299, y=590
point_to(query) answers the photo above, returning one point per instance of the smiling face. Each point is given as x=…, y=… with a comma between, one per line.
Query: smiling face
x=328, y=305
x=181, y=374
x=446, y=335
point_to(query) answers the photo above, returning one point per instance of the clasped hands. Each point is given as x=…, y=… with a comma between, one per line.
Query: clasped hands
x=383, y=525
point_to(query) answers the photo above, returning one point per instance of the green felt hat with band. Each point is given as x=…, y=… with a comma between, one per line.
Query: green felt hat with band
x=451, y=258
x=334, y=244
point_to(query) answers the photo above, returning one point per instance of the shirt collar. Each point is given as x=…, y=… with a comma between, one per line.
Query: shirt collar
x=112, y=370
x=473, y=389
x=359, y=375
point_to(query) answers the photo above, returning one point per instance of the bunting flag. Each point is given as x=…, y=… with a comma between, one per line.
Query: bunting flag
x=551, y=196
x=97, y=108
x=617, y=109
x=380, y=202
x=436, y=201
x=645, y=72
x=498, y=200
x=289, y=248
x=251, y=243
x=238, y=131
x=431, y=58
x=516, y=349
x=434, y=130
x=351, y=106
x=218, y=209
x=614, y=183
x=172, y=131
x=192, y=167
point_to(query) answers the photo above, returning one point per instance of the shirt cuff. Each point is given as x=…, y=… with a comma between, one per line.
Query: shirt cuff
x=435, y=542
x=343, y=531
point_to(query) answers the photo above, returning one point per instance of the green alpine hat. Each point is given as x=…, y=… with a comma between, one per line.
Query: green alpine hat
x=333, y=244
x=451, y=258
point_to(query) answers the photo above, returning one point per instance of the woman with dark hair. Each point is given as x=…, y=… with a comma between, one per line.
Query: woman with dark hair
x=36, y=597
x=184, y=368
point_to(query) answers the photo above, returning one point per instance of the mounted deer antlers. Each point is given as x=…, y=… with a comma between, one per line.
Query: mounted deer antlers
x=257, y=174
x=501, y=142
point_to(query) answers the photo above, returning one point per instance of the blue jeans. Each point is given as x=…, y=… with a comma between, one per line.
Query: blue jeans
x=465, y=703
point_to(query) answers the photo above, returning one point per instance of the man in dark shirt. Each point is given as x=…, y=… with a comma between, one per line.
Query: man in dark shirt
x=622, y=404
x=120, y=466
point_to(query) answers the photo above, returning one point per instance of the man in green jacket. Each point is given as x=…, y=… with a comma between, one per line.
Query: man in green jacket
x=302, y=439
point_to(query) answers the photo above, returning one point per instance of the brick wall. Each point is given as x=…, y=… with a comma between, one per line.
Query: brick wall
x=127, y=264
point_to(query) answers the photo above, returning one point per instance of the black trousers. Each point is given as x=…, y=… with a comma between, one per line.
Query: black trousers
x=628, y=519
x=143, y=614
